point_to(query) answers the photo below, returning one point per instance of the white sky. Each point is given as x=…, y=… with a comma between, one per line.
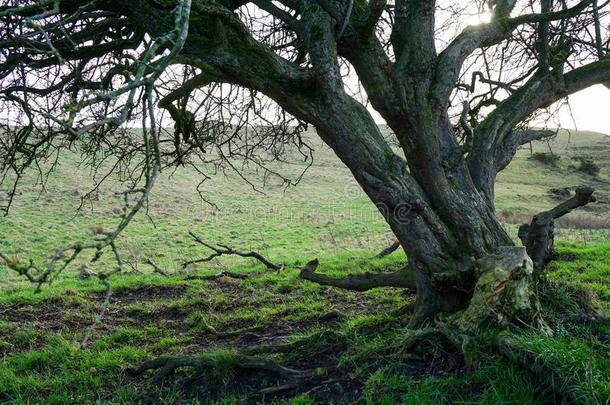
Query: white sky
x=591, y=110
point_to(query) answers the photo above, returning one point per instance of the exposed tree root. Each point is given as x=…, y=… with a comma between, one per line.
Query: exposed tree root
x=230, y=333
x=535, y=363
x=225, y=369
x=433, y=333
x=167, y=365
x=590, y=319
x=218, y=275
x=332, y=338
x=538, y=237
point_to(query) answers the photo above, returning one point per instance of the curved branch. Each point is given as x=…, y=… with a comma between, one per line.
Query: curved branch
x=450, y=61
x=227, y=250
x=505, y=154
x=538, y=236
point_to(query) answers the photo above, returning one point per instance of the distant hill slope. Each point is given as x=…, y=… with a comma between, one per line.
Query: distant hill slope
x=326, y=213
x=526, y=183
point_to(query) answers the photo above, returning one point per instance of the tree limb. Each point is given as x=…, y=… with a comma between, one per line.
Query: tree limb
x=451, y=59
x=362, y=282
x=390, y=249
x=226, y=250
x=538, y=236
x=505, y=153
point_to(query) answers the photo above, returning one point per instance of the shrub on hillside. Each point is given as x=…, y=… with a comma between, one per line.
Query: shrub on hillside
x=587, y=165
x=546, y=158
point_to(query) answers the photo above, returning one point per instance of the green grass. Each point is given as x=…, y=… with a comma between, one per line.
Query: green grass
x=326, y=217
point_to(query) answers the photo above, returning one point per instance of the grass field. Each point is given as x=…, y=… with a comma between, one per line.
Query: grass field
x=356, y=335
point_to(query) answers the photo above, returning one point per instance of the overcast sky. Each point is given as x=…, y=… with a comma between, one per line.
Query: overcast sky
x=591, y=110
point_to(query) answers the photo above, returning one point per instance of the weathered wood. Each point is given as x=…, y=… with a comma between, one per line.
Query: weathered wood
x=363, y=282
x=538, y=237
x=389, y=250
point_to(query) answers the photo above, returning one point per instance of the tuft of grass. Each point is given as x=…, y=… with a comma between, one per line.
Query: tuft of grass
x=547, y=158
x=587, y=165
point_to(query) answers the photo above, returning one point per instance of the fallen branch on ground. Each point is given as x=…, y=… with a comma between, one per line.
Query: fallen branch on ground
x=402, y=278
x=156, y=268
x=227, y=250
x=216, y=276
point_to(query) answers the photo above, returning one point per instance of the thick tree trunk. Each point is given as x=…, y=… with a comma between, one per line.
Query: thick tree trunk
x=441, y=220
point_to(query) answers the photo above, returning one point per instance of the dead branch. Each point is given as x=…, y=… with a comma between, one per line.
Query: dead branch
x=156, y=268
x=227, y=250
x=217, y=276
x=364, y=282
x=538, y=236
x=390, y=249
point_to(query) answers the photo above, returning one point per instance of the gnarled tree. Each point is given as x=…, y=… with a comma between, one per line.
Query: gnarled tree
x=457, y=99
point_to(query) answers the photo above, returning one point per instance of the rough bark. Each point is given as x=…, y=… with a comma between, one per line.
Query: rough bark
x=363, y=282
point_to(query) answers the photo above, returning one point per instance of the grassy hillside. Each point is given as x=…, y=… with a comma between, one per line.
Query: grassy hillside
x=326, y=213
x=326, y=216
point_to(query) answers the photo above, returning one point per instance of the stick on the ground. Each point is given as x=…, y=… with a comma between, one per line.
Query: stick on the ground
x=227, y=250
x=216, y=276
x=156, y=268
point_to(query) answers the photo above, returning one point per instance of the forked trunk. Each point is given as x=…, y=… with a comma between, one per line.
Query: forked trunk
x=442, y=221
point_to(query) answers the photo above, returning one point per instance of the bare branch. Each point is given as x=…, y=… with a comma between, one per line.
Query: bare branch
x=226, y=250
x=361, y=282
x=389, y=250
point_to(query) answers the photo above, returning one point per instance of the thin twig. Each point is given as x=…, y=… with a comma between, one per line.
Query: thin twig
x=156, y=268
x=98, y=317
